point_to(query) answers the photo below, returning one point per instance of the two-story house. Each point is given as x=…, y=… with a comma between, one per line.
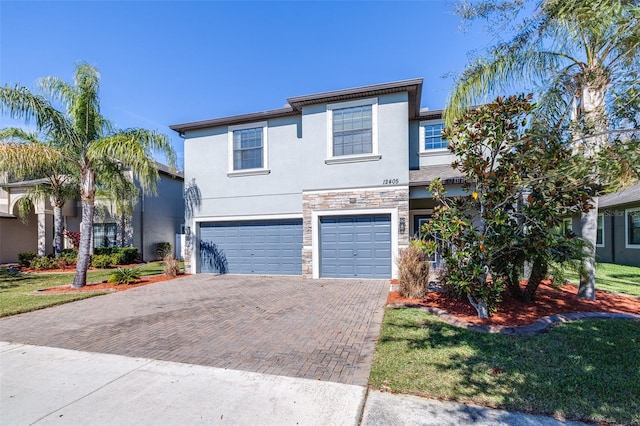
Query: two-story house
x=152, y=220
x=332, y=185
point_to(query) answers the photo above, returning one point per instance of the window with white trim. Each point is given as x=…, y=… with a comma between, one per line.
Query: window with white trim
x=632, y=225
x=566, y=227
x=352, y=130
x=431, y=140
x=105, y=235
x=248, y=148
x=600, y=232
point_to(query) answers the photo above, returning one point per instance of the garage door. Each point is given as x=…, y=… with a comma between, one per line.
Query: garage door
x=355, y=246
x=260, y=247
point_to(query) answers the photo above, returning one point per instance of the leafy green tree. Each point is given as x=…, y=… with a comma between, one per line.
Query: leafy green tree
x=23, y=154
x=582, y=57
x=519, y=191
x=86, y=141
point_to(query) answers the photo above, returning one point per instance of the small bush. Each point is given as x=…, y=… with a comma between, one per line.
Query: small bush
x=25, y=258
x=125, y=276
x=101, y=261
x=117, y=258
x=44, y=262
x=171, y=266
x=99, y=251
x=163, y=250
x=413, y=269
x=67, y=258
x=128, y=255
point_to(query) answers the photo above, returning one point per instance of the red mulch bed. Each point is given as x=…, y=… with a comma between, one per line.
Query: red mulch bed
x=108, y=286
x=511, y=312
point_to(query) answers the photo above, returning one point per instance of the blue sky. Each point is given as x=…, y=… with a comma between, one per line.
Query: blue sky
x=169, y=62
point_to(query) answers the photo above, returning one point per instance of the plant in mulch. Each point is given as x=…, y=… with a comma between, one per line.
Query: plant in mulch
x=125, y=276
x=163, y=250
x=413, y=272
x=25, y=258
x=171, y=266
x=101, y=261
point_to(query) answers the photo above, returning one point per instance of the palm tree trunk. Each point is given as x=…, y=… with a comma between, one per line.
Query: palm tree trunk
x=57, y=225
x=87, y=191
x=596, y=123
x=84, y=249
x=589, y=226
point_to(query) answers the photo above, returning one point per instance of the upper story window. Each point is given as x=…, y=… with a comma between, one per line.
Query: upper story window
x=431, y=137
x=352, y=131
x=248, y=149
x=632, y=222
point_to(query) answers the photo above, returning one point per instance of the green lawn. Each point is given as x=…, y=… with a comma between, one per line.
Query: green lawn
x=585, y=370
x=615, y=278
x=16, y=290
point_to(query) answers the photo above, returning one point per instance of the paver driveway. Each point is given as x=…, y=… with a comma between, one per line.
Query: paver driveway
x=318, y=329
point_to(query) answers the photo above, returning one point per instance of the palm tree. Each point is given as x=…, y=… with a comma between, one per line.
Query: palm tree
x=584, y=57
x=87, y=143
x=21, y=154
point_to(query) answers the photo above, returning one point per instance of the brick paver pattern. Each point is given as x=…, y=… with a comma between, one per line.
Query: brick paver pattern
x=289, y=326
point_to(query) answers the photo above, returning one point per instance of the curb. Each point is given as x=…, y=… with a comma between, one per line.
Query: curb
x=540, y=326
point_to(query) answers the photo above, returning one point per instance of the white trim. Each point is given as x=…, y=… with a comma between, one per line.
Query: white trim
x=241, y=218
x=374, y=130
x=353, y=158
x=600, y=217
x=569, y=227
x=315, y=234
x=626, y=228
x=435, y=152
x=265, y=149
x=412, y=214
x=248, y=172
x=361, y=189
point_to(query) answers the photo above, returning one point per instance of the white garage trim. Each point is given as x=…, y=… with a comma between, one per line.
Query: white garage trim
x=315, y=233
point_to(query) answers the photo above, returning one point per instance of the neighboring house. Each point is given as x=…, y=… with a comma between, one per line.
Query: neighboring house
x=332, y=185
x=154, y=219
x=619, y=227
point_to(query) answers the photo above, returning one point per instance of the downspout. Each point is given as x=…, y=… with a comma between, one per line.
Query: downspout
x=142, y=228
x=613, y=238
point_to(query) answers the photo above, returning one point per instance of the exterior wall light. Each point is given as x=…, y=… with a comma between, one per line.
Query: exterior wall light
x=402, y=225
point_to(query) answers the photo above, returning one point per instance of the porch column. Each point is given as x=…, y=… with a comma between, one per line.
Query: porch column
x=42, y=230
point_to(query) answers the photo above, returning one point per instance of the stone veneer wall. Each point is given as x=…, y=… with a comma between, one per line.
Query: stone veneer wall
x=396, y=197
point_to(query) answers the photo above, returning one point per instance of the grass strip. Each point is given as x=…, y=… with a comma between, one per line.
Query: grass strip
x=583, y=370
x=16, y=290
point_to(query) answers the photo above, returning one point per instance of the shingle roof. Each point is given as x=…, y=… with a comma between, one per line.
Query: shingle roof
x=412, y=86
x=626, y=196
x=425, y=175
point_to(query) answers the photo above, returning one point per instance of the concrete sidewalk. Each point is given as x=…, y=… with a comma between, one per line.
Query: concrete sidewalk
x=42, y=385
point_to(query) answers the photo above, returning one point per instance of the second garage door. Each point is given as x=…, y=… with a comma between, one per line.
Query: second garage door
x=257, y=247
x=355, y=246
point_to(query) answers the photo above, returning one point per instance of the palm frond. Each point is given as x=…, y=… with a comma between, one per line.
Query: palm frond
x=29, y=159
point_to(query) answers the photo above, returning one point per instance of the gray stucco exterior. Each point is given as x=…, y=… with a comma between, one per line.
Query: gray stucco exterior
x=155, y=218
x=301, y=178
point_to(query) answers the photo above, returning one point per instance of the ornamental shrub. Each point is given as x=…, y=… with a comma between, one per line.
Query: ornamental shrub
x=413, y=272
x=171, y=266
x=163, y=250
x=25, y=258
x=43, y=262
x=125, y=276
x=101, y=261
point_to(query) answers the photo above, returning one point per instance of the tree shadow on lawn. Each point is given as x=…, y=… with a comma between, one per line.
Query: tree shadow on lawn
x=586, y=370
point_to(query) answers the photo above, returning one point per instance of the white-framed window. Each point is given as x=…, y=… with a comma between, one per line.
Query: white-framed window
x=431, y=140
x=352, y=131
x=600, y=231
x=105, y=235
x=632, y=227
x=566, y=227
x=248, y=149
